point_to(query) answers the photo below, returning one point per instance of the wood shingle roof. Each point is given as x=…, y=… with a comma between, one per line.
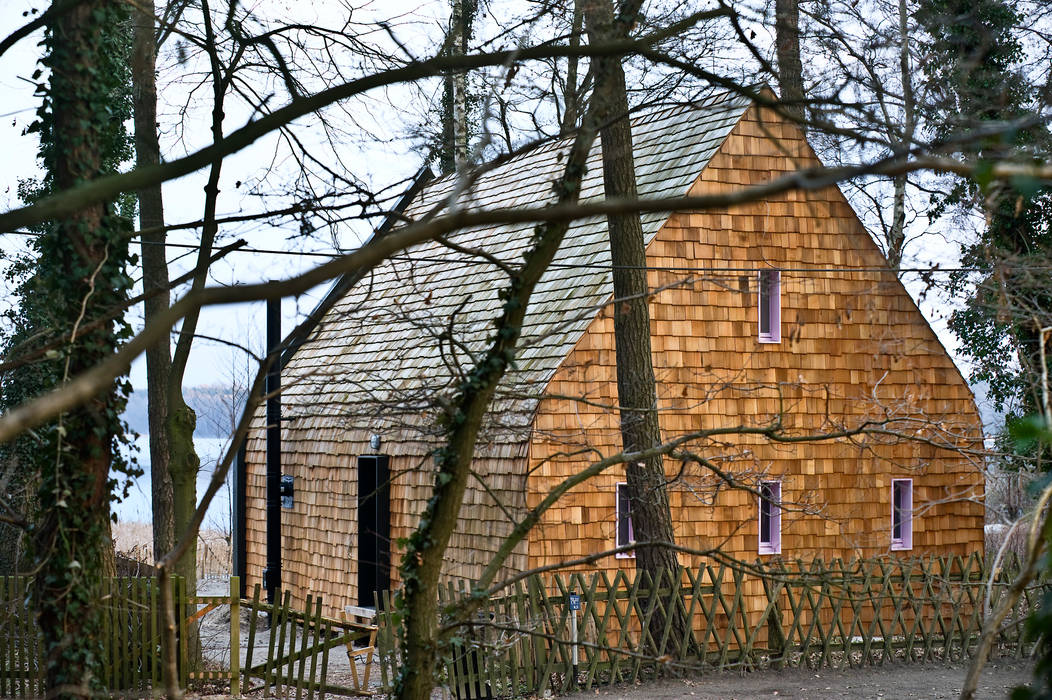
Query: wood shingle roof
x=383, y=355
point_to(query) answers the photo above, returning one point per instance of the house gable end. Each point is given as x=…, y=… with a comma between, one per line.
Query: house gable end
x=853, y=345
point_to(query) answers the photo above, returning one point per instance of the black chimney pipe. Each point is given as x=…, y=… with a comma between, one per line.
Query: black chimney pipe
x=240, y=519
x=272, y=574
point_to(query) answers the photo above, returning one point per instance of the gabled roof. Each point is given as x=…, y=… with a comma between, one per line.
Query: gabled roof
x=380, y=354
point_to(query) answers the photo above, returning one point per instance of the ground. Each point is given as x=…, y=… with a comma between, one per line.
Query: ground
x=928, y=681
x=931, y=681
x=934, y=681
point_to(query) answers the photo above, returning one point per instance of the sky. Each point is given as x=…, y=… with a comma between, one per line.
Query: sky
x=382, y=156
x=215, y=358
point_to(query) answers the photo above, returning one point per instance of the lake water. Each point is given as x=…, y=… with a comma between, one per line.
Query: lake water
x=136, y=507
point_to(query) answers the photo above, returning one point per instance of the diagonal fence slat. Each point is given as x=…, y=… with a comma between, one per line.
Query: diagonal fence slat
x=721, y=615
x=836, y=613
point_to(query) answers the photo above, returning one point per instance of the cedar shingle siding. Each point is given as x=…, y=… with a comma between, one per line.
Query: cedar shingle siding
x=853, y=346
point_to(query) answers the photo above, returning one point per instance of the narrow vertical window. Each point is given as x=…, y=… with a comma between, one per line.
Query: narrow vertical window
x=770, y=517
x=901, y=514
x=624, y=521
x=770, y=306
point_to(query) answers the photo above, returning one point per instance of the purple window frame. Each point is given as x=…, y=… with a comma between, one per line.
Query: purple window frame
x=769, y=306
x=901, y=514
x=624, y=521
x=769, y=522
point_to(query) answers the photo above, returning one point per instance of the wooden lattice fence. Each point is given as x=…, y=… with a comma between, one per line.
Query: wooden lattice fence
x=818, y=614
x=286, y=649
x=130, y=637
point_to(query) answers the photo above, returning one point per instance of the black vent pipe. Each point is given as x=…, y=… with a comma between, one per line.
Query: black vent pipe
x=240, y=519
x=272, y=574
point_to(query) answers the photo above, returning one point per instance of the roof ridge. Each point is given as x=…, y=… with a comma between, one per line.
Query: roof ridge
x=388, y=345
x=639, y=115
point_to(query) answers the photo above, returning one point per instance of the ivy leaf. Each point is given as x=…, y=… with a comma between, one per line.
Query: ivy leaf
x=1028, y=430
x=1039, y=484
x=1027, y=185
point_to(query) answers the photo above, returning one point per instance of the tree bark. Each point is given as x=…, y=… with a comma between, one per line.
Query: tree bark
x=181, y=420
x=81, y=260
x=422, y=644
x=637, y=395
x=154, y=273
x=896, y=242
x=787, y=49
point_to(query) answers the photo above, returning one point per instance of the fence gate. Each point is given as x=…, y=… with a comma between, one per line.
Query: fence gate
x=294, y=646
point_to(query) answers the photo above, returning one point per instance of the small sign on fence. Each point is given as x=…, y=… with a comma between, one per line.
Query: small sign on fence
x=574, y=601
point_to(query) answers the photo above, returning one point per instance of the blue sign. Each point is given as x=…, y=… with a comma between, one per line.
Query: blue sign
x=575, y=601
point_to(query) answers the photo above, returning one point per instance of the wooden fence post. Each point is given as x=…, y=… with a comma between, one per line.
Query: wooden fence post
x=235, y=636
x=776, y=642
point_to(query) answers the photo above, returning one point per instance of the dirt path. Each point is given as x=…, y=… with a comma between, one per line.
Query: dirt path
x=928, y=681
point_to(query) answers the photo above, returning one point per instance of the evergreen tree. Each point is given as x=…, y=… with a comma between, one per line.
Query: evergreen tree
x=983, y=110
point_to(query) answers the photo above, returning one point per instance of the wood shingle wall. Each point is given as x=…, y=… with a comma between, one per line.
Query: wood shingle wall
x=319, y=533
x=854, y=348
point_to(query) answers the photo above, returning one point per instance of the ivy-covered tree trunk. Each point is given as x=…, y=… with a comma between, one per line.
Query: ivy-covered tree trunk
x=453, y=148
x=80, y=277
x=423, y=644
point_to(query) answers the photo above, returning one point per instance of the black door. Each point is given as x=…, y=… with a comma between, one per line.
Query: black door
x=374, y=527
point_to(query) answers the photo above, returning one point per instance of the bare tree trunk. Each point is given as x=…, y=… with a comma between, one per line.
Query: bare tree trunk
x=181, y=419
x=637, y=396
x=174, y=463
x=897, y=234
x=154, y=272
x=571, y=95
x=787, y=49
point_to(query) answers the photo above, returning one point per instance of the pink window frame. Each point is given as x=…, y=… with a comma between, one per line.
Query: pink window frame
x=774, y=544
x=904, y=541
x=769, y=296
x=617, y=523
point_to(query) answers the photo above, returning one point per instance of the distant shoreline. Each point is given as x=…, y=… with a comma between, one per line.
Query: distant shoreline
x=137, y=507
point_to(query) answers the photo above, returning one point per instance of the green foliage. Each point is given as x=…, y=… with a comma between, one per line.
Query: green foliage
x=972, y=55
x=983, y=110
x=1038, y=626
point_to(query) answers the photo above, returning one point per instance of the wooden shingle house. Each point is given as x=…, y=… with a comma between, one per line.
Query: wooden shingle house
x=776, y=312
